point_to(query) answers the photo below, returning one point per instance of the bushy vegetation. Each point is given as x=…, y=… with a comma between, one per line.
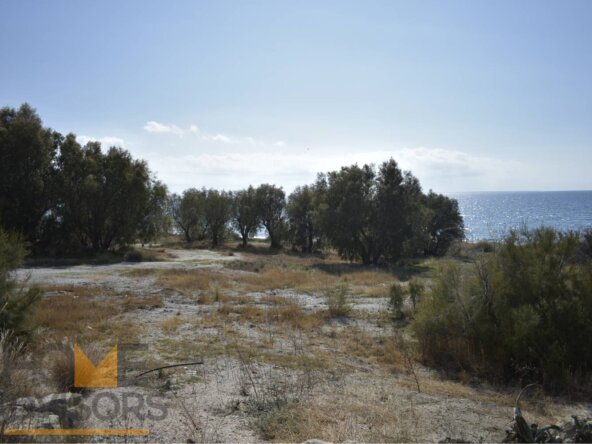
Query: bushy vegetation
x=376, y=215
x=62, y=196
x=416, y=290
x=396, y=299
x=303, y=211
x=16, y=302
x=65, y=198
x=338, y=301
x=522, y=312
x=245, y=214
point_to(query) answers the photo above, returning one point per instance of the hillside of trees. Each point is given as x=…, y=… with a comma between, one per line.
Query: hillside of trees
x=65, y=198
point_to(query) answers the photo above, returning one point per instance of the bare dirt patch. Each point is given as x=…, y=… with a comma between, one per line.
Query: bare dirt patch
x=277, y=364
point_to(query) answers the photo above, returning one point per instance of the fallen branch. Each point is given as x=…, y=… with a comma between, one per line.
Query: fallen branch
x=169, y=366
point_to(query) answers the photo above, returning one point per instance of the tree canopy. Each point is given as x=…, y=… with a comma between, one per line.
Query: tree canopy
x=62, y=196
x=27, y=150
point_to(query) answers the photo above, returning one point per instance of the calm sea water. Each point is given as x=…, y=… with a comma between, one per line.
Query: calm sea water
x=490, y=215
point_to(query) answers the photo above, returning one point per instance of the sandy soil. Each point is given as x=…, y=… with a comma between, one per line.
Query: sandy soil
x=221, y=400
x=113, y=275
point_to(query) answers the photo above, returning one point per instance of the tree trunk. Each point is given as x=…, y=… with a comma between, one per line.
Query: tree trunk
x=274, y=241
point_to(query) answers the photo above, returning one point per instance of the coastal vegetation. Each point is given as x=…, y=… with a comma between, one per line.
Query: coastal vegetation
x=362, y=287
x=65, y=198
x=521, y=312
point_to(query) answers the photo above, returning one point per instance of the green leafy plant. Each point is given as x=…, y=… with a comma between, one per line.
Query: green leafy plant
x=338, y=301
x=416, y=289
x=523, y=311
x=396, y=299
x=16, y=301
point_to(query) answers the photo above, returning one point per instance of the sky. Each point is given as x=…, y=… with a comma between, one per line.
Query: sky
x=468, y=95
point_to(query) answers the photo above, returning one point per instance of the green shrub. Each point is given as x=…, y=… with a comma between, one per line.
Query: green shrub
x=416, y=289
x=16, y=302
x=338, y=301
x=485, y=246
x=587, y=243
x=396, y=299
x=133, y=256
x=139, y=255
x=524, y=311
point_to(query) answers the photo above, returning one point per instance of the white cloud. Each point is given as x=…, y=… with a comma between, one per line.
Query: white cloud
x=155, y=127
x=220, y=138
x=452, y=162
x=440, y=169
x=107, y=141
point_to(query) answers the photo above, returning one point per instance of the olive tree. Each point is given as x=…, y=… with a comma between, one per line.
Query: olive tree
x=27, y=153
x=349, y=213
x=155, y=220
x=271, y=205
x=445, y=223
x=188, y=212
x=103, y=196
x=217, y=206
x=244, y=213
x=302, y=211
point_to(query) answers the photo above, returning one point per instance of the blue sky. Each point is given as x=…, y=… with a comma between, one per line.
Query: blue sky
x=469, y=95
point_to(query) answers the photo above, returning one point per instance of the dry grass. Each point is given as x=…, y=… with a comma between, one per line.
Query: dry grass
x=171, y=324
x=141, y=272
x=275, y=331
x=204, y=298
x=273, y=279
x=294, y=316
x=312, y=280
x=245, y=313
x=70, y=315
x=381, y=291
x=136, y=302
x=368, y=277
x=352, y=421
x=273, y=273
x=120, y=330
x=81, y=291
x=193, y=280
x=84, y=313
x=60, y=363
x=276, y=310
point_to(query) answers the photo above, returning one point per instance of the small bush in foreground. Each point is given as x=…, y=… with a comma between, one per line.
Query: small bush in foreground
x=416, y=290
x=60, y=363
x=522, y=313
x=396, y=299
x=338, y=301
x=16, y=302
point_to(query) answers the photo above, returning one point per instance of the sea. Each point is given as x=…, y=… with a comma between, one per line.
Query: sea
x=490, y=215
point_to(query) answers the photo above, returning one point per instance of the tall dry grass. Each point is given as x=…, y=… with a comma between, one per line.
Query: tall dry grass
x=72, y=315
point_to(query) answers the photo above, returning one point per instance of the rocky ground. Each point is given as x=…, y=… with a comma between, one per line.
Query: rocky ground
x=275, y=361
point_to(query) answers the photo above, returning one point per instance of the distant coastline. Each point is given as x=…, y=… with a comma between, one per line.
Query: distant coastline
x=489, y=215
